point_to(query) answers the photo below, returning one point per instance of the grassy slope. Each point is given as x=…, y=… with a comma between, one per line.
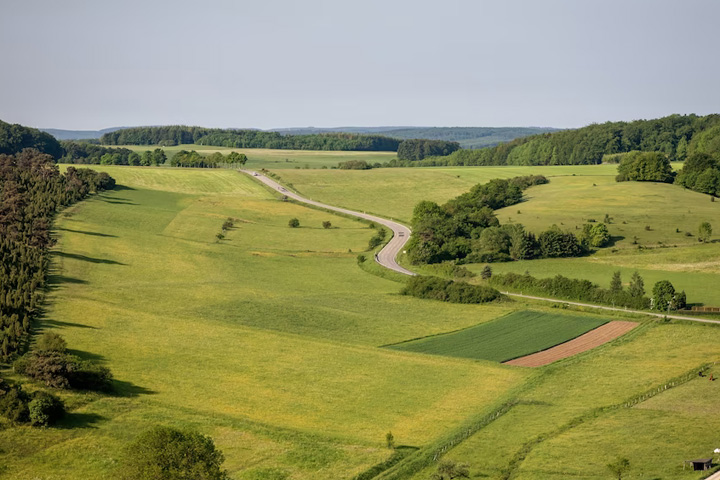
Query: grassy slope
x=655, y=442
x=279, y=159
x=512, y=336
x=266, y=341
x=394, y=192
x=574, y=194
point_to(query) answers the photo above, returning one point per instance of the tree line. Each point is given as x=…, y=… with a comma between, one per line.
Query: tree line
x=417, y=149
x=466, y=229
x=32, y=189
x=674, y=136
x=177, y=135
x=15, y=138
x=664, y=297
x=700, y=172
x=193, y=159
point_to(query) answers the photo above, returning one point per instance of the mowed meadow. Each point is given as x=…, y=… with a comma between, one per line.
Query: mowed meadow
x=270, y=340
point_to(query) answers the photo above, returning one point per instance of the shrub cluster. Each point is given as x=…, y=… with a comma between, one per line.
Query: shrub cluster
x=436, y=288
x=165, y=453
x=377, y=239
x=193, y=159
x=701, y=172
x=51, y=364
x=61, y=370
x=645, y=167
x=39, y=409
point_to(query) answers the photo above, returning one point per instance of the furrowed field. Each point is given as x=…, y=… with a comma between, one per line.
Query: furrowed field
x=269, y=340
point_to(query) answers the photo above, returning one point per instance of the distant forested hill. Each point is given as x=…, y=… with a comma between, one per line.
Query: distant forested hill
x=469, y=137
x=61, y=134
x=14, y=138
x=180, y=134
x=675, y=136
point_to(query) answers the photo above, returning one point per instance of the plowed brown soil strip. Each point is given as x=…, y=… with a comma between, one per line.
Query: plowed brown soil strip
x=593, y=338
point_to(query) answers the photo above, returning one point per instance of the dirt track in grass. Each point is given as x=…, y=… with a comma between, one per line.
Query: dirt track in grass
x=593, y=338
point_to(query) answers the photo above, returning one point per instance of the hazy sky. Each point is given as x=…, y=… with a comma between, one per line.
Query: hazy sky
x=281, y=63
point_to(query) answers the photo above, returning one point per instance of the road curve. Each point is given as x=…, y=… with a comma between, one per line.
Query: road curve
x=401, y=235
x=386, y=256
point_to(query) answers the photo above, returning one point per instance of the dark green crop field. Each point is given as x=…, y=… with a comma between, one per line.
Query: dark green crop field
x=512, y=336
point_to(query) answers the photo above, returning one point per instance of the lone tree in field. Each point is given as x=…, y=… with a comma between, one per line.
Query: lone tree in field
x=663, y=295
x=704, y=232
x=294, y=223
x=619, y=467
x=486, y=272
x=165, y=453
x=326, y=224
x=390, y=440
x=449, y=469
x=616, y=283
x=637, y=286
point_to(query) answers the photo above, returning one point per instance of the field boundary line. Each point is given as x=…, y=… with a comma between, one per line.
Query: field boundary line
x=596, y=412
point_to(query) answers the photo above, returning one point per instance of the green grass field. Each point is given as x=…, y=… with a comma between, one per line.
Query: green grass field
x=268, y=341
x=394, y=192
x=571, y=422
x=279, y=159
x=515, y=335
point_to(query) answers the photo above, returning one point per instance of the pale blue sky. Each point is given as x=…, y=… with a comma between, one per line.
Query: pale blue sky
x=271, y=63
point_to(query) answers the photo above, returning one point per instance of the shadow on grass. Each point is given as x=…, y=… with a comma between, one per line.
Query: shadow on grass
x=119, y=188
x=129, y=390
x=614, y=239
x=86, y=355
x=55, y=281
x=79, y=420
x=84, y=232
x=118, y=201
x=85, y=258
x=58, y=323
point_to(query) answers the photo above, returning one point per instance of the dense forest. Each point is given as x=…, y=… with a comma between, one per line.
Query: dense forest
x=418, y=149
x=675, y=136
x=178, y=135
x=14, y=138
x=468, y=137
x=32, y=189
x=466, y=229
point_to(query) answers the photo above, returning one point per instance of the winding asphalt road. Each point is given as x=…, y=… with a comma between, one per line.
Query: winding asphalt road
x=386, y=256
x=401, y=234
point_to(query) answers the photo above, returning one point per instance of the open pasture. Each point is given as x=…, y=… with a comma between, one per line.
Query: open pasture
x=512, y=336
x=394, y=192
x=266, y=340
x=278, y=159
x=572, y=421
